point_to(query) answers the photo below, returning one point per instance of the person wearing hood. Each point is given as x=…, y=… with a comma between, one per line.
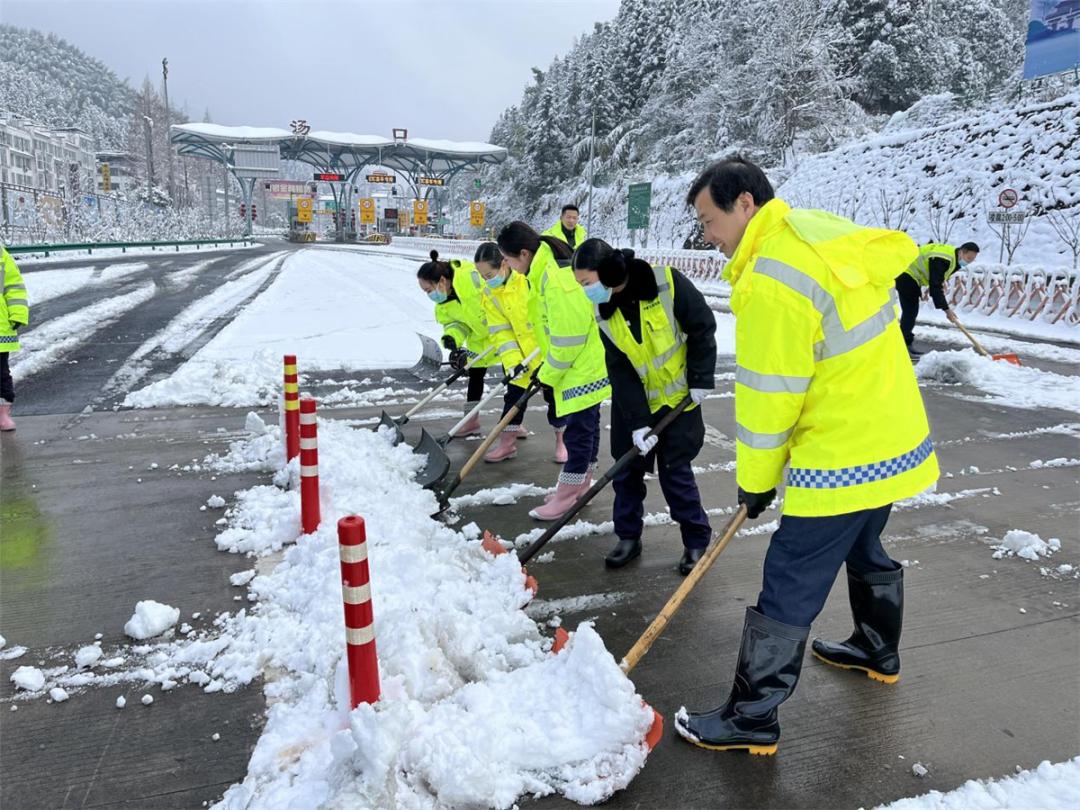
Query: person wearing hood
x=572, y=354
x=506, y=306
x=826, y=398
x=455, y=287
x=933, y=267
x=660, y=345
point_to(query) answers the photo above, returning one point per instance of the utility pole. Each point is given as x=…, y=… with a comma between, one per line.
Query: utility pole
x=168, y=143
x=592, y=142
x=148, y=127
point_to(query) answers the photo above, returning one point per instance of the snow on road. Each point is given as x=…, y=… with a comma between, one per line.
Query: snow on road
x=333, y=309
x=188, y=326
x=48, y=343
x=1004, y=383
x=458, y=657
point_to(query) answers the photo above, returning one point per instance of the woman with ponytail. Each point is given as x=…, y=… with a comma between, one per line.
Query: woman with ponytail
x=506, y=305
x=573, y=357
x=659, y=338
x=455, y=287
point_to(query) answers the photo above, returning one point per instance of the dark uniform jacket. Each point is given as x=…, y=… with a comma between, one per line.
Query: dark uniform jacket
x=682, y=440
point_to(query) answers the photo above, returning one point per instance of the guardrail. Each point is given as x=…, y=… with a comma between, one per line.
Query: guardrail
x=1049, y=295
x=90, y=247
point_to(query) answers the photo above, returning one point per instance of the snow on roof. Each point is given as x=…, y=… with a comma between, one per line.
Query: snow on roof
x=455, y=147
x=348, y=139
x=223, y=134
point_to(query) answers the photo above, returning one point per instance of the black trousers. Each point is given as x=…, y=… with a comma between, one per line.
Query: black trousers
x=7, y=386
x=476, y=384
x=910, y=294
x=805, y=555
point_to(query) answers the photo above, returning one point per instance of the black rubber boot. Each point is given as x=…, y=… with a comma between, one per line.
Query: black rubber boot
x=770, y=660
x=690, y=557
x=624, y=552
x=877, y=605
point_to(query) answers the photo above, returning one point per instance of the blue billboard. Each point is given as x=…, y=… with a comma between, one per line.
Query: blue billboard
x=1053, y=38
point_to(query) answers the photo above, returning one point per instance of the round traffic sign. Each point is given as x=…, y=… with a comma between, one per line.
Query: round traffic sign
x=1008, y=198
x=366, y=203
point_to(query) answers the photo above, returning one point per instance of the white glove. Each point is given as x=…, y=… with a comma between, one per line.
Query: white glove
x=642, y=441
x=697, y=395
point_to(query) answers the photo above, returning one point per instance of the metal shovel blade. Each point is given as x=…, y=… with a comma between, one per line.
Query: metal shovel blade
x=431, y=357
x=438, y=463
x=395, y=429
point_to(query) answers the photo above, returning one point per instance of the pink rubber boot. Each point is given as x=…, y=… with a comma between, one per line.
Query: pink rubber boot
x=472, y=427
x=505, y=448
x=560, y=447
x=522, y=432
x=6, y=422
x=564, y=498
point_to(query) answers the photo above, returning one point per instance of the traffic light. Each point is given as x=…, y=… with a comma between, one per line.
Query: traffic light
x=243, y=211
x=254, y=212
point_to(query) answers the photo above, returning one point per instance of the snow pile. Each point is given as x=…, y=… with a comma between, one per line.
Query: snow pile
x=1005, y=384
x=369, y=321
x=58, y=694
x=1047, y=787
x=87, y=656
x=1025, y=545
x=31, y=679
x=151, y=619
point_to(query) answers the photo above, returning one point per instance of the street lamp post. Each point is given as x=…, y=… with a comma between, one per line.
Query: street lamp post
x=168, y=145
x=148, y=128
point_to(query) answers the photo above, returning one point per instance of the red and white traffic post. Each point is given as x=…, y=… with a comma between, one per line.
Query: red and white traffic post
x=309, y=466
x=292, y=409
x=359, y=618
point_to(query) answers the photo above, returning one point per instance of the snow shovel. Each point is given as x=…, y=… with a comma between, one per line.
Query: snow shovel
x=438, y=463
x=430, y=357
x=394, y=423
x=1008, y=357
x=600, y=483
x=653, y=631
x=474, y=459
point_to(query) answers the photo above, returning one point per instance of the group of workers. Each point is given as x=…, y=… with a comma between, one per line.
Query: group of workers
x=826, y=403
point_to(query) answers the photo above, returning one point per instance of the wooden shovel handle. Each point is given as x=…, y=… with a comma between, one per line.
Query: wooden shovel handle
x=653, y=631
x=489, y=440
x=971, y=337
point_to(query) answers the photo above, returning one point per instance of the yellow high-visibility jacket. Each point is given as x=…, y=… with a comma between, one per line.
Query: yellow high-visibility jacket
x=463, y=318
x=509, y=329
x=556, y=230
x=920, y=268
x=14, y=305
x=823, y=381
x=566, y=331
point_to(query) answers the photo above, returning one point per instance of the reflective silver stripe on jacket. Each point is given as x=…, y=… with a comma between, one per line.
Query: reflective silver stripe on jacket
x=838, y=340
x=771, y=383
x=503, y=327
x=510, y=345
x=762, y=441
x=567, y=341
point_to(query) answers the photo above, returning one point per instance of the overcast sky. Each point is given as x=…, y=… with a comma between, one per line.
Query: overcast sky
x=442, y=69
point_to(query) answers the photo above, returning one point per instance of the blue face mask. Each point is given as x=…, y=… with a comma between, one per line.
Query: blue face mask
x=597, y=293
x=963, y=262
x=438, y=296
x=497, y=281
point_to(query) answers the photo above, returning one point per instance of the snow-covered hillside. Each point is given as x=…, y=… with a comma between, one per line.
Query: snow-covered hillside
x=933, y=182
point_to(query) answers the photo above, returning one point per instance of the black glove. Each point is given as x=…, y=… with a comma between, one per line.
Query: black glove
x=459, y=358
x=756, y=502
x=449, y=343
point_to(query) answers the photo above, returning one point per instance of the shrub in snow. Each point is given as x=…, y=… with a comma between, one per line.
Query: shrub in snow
x=151, y=619
x=1026, y=545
